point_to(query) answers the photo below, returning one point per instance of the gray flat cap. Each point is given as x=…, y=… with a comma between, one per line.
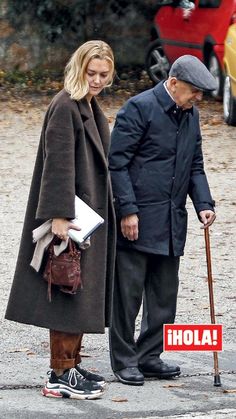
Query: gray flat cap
x=191, y=70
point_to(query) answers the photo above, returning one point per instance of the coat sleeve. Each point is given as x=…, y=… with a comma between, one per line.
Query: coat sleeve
x=199, y=190
x=57, y=190
x=127, y=133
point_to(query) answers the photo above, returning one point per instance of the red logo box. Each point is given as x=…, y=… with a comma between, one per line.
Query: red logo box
x=197, y=337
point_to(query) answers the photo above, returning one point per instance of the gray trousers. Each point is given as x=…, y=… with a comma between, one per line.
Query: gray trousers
x=153, y=278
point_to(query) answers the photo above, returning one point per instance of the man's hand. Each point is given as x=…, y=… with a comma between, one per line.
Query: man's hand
x=129, y=227
x=207, y=218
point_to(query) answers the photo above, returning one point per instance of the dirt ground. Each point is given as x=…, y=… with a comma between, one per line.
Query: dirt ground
x=20, y=123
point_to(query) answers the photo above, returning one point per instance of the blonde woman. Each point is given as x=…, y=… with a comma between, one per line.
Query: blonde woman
x=71, y=160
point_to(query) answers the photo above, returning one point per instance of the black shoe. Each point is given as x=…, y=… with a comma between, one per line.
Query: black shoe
x=91, y=376
x=71, y=385
x=130, y=375
x=160, y=370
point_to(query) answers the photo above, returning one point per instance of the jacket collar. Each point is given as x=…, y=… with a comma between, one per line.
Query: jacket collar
x=165, y=99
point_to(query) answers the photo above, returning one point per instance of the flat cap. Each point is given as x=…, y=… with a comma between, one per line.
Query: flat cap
x=191, y=70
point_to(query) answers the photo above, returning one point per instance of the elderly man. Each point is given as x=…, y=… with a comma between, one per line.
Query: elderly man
x=155, y=161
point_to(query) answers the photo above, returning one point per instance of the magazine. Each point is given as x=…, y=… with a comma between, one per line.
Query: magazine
x=85, y=218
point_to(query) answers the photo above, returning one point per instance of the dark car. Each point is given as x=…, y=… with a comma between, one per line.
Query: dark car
x=190, y=27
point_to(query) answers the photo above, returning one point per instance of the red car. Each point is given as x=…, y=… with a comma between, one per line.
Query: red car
x=190, y=27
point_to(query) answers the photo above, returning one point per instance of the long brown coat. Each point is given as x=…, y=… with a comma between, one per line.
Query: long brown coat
x=71, y=159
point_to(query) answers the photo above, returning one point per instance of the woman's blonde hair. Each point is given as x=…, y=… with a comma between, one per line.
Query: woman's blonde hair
x=75, y=82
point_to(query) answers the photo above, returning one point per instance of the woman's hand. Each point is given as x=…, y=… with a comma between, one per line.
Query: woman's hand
x=60, y=227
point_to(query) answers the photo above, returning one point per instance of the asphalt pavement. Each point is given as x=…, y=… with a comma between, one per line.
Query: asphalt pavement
x=24, y=351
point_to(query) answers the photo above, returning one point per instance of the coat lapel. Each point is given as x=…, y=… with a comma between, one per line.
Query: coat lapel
x=96, y=127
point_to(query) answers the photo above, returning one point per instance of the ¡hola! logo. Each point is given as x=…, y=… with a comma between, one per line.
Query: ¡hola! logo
x=198, y=337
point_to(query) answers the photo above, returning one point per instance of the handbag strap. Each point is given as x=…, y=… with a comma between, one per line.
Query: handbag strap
x=71, y=245
x=50, y=279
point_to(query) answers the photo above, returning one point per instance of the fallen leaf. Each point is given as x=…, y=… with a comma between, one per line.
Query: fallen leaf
x=85, y=355
x=173, y=385
x=119, y=399
x=231, y=390
x=19, y=350
x=216, y=121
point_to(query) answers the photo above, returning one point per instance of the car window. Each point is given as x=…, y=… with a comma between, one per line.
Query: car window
x=211, y=4
x=175, y=3
x=164, y=2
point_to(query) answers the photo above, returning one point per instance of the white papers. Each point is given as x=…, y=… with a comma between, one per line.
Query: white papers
x=85, y=218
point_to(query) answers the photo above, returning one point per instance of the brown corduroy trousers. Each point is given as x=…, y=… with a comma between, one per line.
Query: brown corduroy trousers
x=65, y=349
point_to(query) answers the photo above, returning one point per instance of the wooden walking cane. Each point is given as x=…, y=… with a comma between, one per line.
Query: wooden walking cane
x=217, y=381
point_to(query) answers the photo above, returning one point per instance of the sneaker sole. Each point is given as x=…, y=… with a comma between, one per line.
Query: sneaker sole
x=101, y=384
x=68, y=394
x=131, y=383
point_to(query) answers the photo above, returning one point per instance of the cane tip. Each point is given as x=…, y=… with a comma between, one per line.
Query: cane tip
x=217, y=382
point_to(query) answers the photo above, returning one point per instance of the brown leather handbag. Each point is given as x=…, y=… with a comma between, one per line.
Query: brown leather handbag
x=63, y=270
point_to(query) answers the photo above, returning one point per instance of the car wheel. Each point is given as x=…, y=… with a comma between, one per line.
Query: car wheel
x=156, y=62
x=229, y=103
x=215, y=69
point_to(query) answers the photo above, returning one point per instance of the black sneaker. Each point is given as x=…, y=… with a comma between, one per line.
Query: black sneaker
x=71, y=385
x=91, y=376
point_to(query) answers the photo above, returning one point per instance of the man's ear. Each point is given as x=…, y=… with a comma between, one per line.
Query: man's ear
x=171, y=84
